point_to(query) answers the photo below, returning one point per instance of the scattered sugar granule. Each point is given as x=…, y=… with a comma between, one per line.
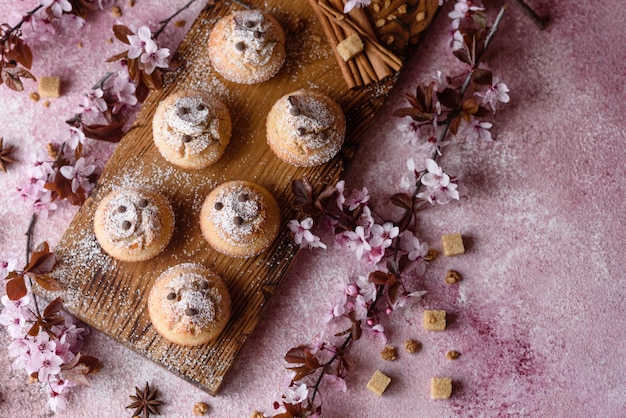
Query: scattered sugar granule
x=452, y=277
x=49, y=87
x=440, y=388
x=257, y=414
x=452, y=244
x=434, y=320
x=389, y=353
x=116, y=11
x=412, y=346
x=46, y=103
x=378, y=383
x=200, y=409
x=131, y=3
x=350, y=47
x=180, y=23
x=34, y=96
x=452, y=355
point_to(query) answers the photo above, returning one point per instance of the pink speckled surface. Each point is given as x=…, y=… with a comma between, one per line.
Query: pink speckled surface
x=539, y=316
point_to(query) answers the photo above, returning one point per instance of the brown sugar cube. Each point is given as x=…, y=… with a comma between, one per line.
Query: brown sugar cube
x=389, y=353
x=350, y=47
x=378, y=383
x=452, y=244
x=200, y=409
x=452, y=355
x=453, y=277
x=434, y=320
x=412, y=346
x=49, y=87
x=440, y=387
x=257, y=414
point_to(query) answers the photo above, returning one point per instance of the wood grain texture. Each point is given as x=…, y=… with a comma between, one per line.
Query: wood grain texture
x=111, y=295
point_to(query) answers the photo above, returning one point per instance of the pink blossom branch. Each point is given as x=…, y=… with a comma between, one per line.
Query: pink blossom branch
x=167, y=20
x=29, y=237
x=19, y=24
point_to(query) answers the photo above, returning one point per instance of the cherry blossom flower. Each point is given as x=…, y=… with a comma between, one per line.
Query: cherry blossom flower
x=379, y=333
x=463, y=9
x=123, y=89
x=303, y=236
x=49, y=364
x=351, y=4
x=408, y=179
x=357, y=241
x=79, y=174
x=154, y=57
x=434, y=176
x=57, y=7
x=140, y=42
x=409, y=130
x=72, y=22
x=497, y=92
x=340, y=189
x=403, y=298
x=366, y=288
x=457, y=40
x=299, y=395
x=335, y=382
x=440, y=195
x=357, y=198
x=476, y=130
x=56, y=401
x=92, y=102
x=76, y=137
x=6, y=267
x=44, y=205
x=38, y=27
x=383, y=235
x=366, y=220
x=411, y=244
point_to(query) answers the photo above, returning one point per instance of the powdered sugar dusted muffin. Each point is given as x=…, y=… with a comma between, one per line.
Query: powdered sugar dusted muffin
x=305, y=128
x=134, y=224
x=189, y=304
x=240, y=219
x=191, y=129
x=247, y=46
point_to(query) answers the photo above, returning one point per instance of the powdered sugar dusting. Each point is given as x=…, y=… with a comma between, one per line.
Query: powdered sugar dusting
x=239, y=214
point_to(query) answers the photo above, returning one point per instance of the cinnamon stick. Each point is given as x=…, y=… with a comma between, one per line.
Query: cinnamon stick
x=345, y=22
x=346, y=72
x=359, y=16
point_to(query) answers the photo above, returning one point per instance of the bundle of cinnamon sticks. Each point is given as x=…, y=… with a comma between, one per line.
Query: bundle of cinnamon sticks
x=375, y=62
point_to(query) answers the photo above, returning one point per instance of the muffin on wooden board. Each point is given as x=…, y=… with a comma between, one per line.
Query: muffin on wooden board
x=191, y=129
x=189, y=304
x=247, y=46
x=305, y=128
x=134, y=224
x=240, y=219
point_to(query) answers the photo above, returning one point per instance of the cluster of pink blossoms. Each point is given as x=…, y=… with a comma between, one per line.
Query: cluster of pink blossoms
x=43, y=355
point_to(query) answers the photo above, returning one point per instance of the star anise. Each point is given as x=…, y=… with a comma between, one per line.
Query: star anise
x=146, y=402
x=5, y=156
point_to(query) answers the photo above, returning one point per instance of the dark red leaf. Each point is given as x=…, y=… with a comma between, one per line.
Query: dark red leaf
x=11, y=76
x=16, y=287
x=482, y=112
x=415, y=114
x=454, y=125
x=402, y=200
x=122, y=32
x=34, y=330
x=47, y=282
x=296, y=355
x=470, y=106
x=117, y=57
x=92, y=362
x=41, y=261
x=393, y=292
x=302, y=192
x=113, y=132
x=356, y=330
x=450, y=98
x=482, y=77
x=413, y=101
x=53, y=308
x=311, y=361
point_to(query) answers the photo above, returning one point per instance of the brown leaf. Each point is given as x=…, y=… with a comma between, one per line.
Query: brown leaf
x=20, y=52
x=402, y=200
x=122, y=32
x=41, y=261
x=53, y=308
x=450, y=98
x=393, y=292
x=382, y=278
x=482, y=77
x=296, y=355
x=92, y=362
x=11, y=77
x=303, y=193
x=117, y=57
x=16, y=286
x=78, y=374
x=113, y=132
x=48, y=283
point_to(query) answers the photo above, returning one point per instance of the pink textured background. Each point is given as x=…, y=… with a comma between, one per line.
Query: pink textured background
x=539, y=316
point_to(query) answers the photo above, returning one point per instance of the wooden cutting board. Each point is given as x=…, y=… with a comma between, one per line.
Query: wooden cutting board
x=111, y=296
